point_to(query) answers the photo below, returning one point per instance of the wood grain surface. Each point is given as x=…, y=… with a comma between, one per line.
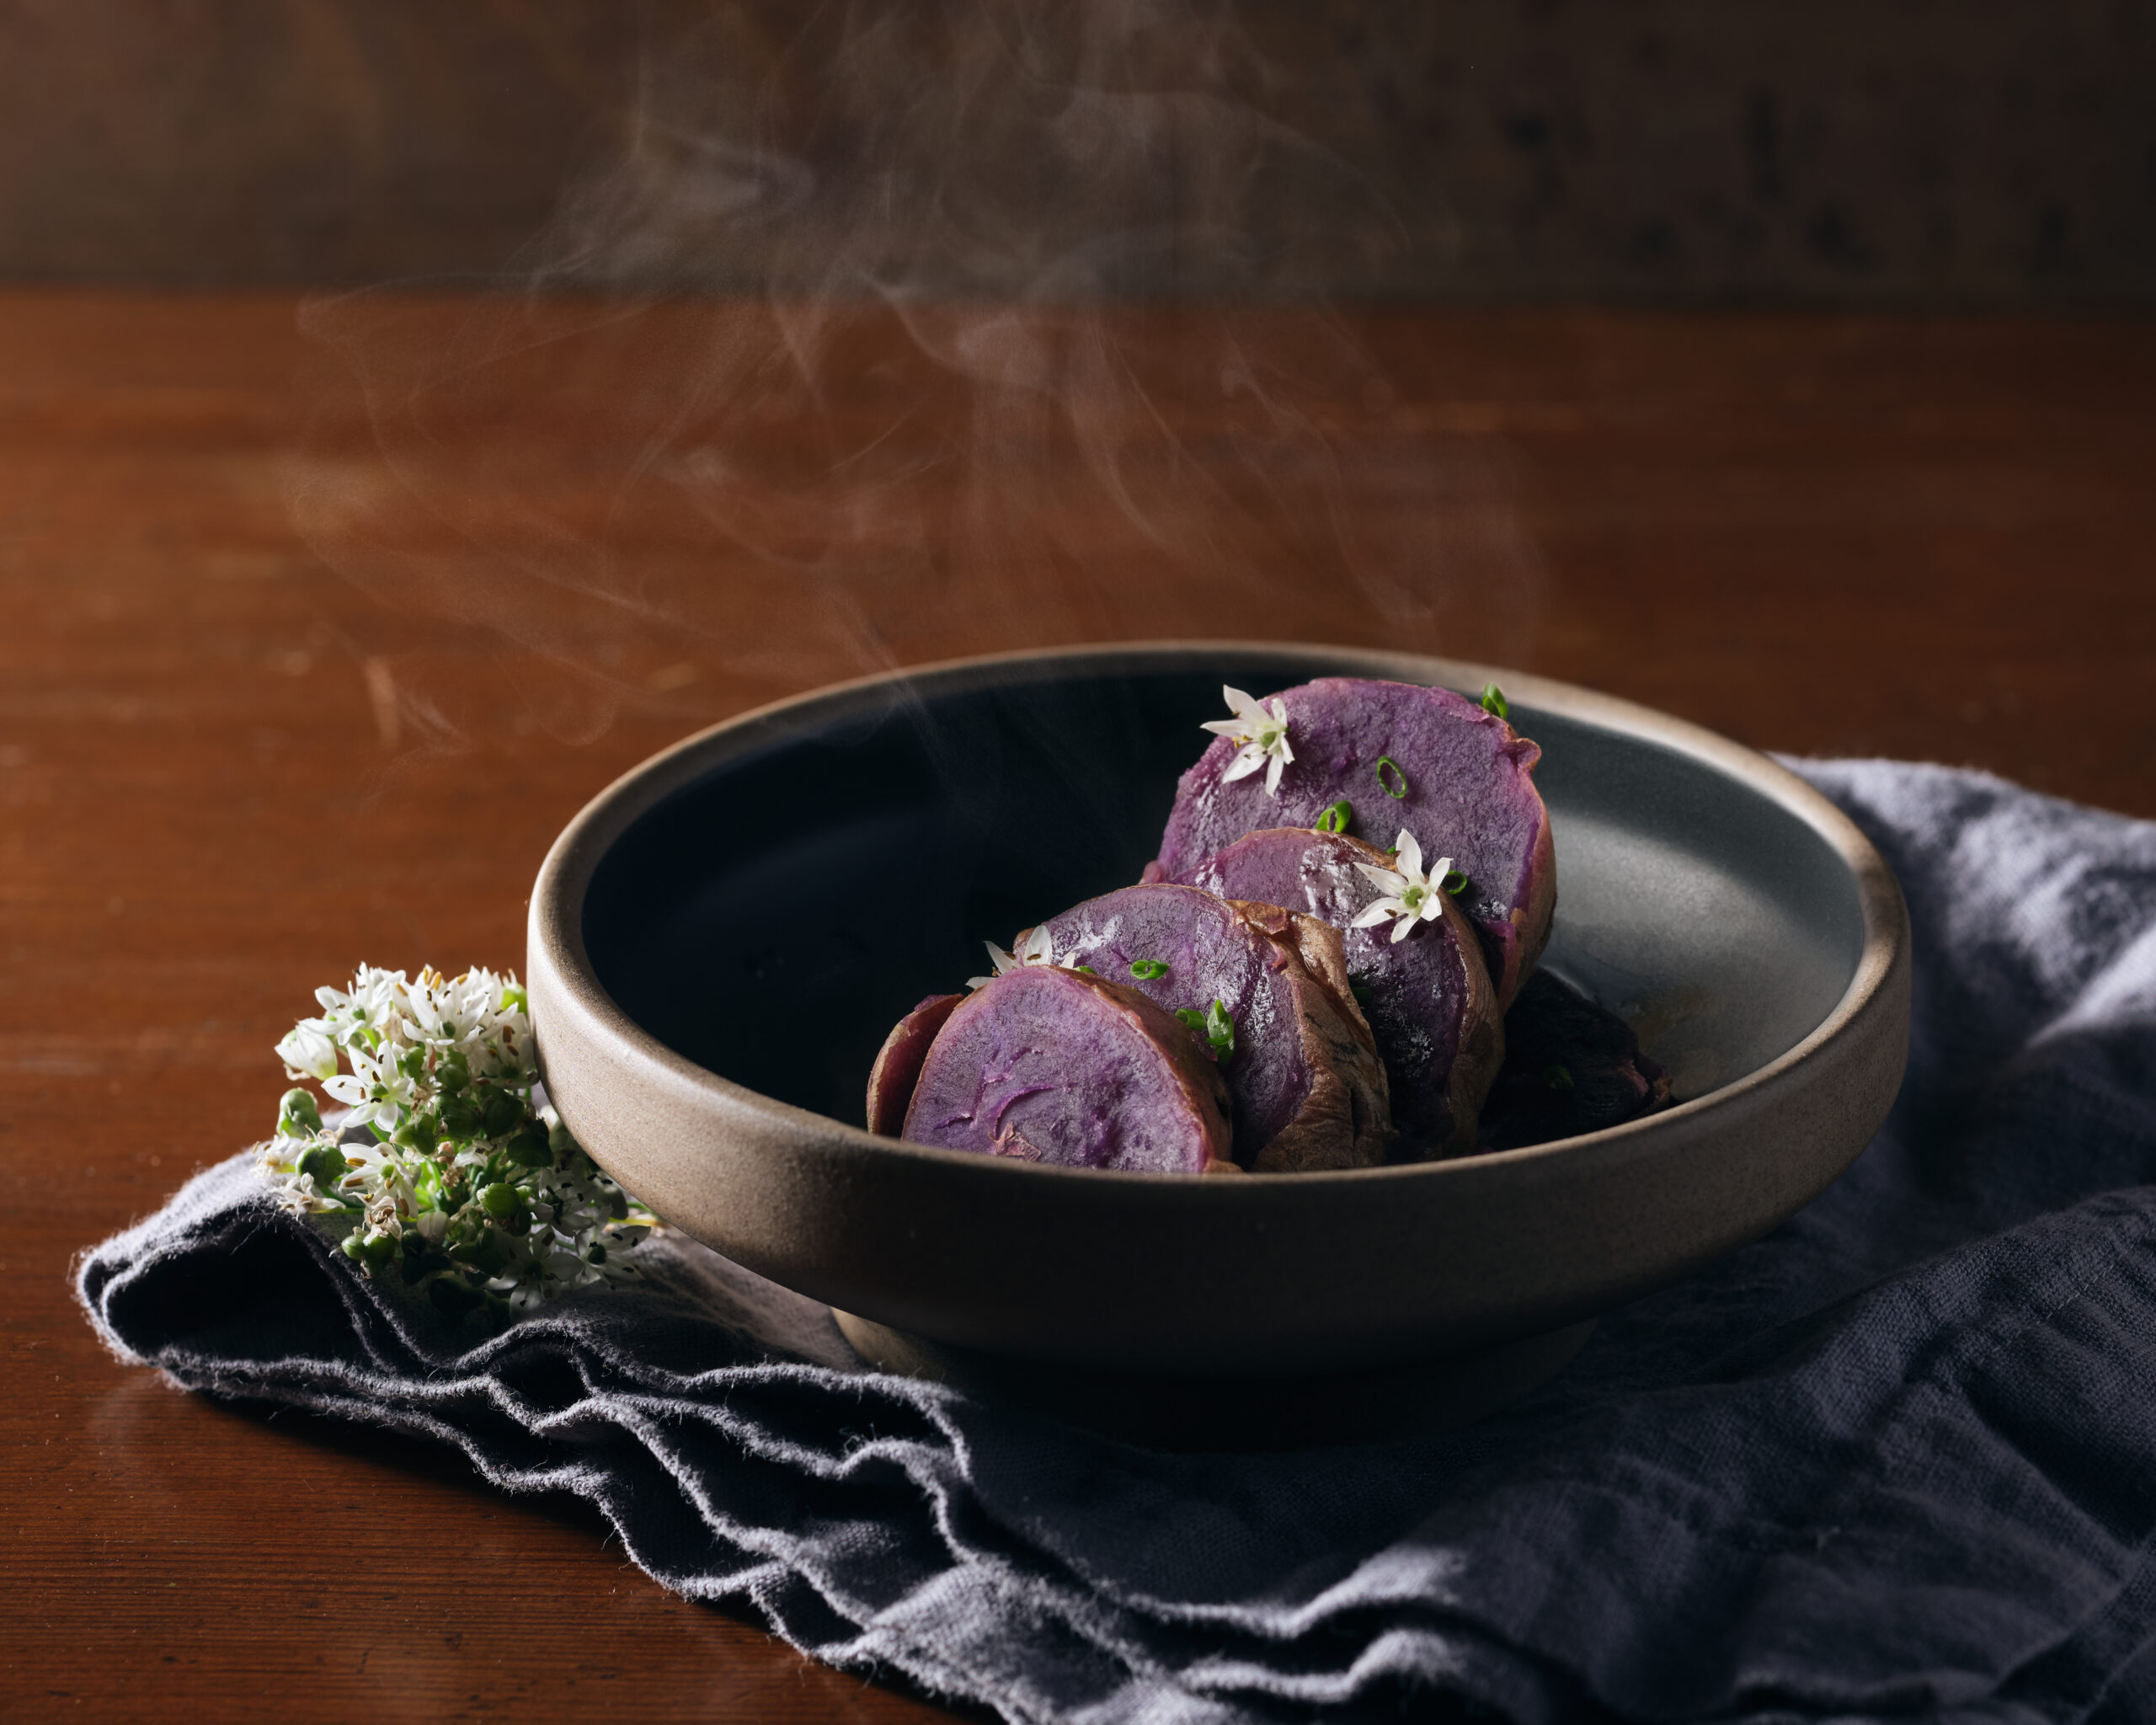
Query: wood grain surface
x=1841, y=153
x=320, y=623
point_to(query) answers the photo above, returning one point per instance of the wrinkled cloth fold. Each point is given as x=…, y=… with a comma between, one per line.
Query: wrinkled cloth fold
x=1896, y=1460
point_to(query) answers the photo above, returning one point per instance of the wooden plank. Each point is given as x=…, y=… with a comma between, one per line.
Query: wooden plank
x=227, y=773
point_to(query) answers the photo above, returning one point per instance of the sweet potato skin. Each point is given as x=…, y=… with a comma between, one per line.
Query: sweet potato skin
x=896, y=1070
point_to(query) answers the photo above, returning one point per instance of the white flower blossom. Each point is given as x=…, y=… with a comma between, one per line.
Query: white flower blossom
x=1038, y=947
x=1264, y=736
x=307, y=1052
x=1411, y=895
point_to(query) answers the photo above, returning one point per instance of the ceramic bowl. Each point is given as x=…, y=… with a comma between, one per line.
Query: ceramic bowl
x=720, y=941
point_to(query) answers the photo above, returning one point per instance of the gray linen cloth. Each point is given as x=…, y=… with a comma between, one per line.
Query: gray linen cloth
x=1896, y=1460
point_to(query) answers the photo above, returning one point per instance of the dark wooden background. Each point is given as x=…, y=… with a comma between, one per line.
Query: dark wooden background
x=1781, y=367
x=1843, y=151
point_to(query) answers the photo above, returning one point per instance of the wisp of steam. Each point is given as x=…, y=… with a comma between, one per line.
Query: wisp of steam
x=918, y=330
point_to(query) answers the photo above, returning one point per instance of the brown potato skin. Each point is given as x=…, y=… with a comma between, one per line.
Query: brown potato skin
x=1533, y=919
x=1346, y=1121
x=898, y=1064
x=1481, y=1049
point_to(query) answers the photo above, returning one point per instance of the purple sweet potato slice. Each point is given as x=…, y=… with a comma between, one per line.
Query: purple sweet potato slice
x=1571, y=1066
x=896, y=1070
x=1428, y=998
x=1050, y=1065
x=1305, y=1087
x=1465, y=785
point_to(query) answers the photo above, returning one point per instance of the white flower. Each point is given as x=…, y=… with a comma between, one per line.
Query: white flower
x=378, y=1089
x=1263, y=736
x=307, y=1052
x=1038, y=947
x=1411, y=895
x=376, y=1002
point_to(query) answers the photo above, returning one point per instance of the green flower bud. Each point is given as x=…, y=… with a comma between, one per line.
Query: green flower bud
x=499, y=1200
x=418, y=1133
x=325, y=1163
x=558, y=1138
x=529, y=1148
x=503, y=1112
x=373, y=1249
x=297, y=1113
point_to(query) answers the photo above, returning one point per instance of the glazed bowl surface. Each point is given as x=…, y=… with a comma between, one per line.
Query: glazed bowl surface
x=720, y=940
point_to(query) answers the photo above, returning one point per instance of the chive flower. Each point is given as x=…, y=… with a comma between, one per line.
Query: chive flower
x=446, y=1166
x=1409, y=894
x=1263, y=736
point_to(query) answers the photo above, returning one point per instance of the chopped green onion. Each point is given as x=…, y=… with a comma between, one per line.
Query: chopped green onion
x=1087, y=969
x=1455, y=882
x=1146, y=969
x=1219, y=1031
x=1336, y=818
x=1383, y=761
x=1494, y=701
x=1557, y=1078
x=1213, y=1024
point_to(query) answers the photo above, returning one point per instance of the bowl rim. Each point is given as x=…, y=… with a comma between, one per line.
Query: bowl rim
x=565, y=876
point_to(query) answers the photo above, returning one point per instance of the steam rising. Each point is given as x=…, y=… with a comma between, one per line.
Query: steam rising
x=938, y=328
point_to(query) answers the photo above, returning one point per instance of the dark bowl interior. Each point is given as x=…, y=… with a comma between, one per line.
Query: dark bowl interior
x=771, y=919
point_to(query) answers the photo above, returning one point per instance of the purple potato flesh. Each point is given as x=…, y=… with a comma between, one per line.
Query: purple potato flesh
x=1466, y=789
x=896, y=1070
x=1304, y=1084
x=1049, y=1065
x=1571, y=1066
x=1428, y=998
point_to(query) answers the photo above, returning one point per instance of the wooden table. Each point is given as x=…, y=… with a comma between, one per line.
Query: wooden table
x=567, y=534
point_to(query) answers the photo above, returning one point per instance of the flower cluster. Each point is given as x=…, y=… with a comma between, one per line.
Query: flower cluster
x=446, y=1167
